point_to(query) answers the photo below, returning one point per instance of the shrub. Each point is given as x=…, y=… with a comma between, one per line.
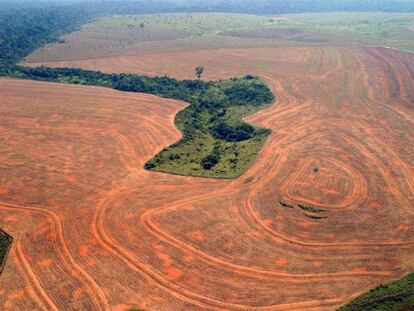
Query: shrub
x=237, y=133
x=209, y=161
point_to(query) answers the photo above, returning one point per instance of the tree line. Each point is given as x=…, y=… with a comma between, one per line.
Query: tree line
x=25, y=29
x=27, y=25
x=209, y=100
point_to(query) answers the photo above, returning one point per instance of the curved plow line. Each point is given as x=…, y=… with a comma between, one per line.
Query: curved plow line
x=93, y=287
x=149, y=225
x=251, y=213
x=181, y=293
x=153, y=276
x=32, y=279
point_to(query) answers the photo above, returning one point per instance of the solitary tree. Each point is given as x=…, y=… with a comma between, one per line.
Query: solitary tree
x=142, y=25
x=199, y=71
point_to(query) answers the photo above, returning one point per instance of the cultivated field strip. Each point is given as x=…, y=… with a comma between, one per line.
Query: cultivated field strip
x=88, y=217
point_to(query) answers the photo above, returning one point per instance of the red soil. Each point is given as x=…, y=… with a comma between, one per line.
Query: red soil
x=119, y=236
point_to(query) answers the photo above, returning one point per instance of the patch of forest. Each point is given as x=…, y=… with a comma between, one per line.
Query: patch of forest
x=24, y=29
x=5, y=241
x=397, y=296
x=216, y=141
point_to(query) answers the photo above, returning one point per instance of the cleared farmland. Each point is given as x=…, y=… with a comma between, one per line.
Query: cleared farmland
x=118, y=236
x=161, y=33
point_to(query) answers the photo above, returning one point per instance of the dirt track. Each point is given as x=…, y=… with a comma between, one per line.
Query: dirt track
x=93, y=230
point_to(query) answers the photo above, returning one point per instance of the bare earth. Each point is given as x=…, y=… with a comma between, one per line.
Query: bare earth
x=94, y=231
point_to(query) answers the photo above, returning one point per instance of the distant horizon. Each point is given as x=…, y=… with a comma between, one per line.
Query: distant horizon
x=261, y=7
x=195, y=155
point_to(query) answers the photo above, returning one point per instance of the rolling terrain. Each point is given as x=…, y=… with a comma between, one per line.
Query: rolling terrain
x=168, y=33
x=93, y=230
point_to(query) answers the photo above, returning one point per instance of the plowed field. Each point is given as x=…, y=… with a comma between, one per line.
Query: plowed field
x=93, y=230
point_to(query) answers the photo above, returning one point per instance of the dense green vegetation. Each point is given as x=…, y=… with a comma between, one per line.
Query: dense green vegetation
x=22, y=30
x=396, y=296
x=5, y=241
x=208, y=150
x=216, y=142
